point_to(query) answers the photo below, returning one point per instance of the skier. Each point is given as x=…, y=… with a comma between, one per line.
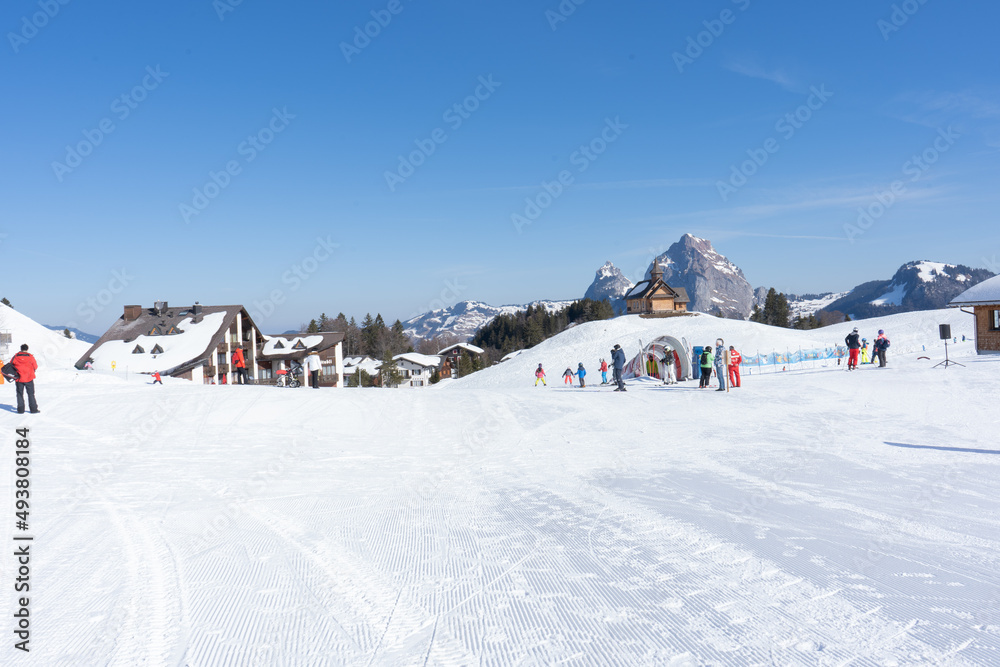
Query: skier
x=864, y=351
x=156, y=378
x=568, y=377
x=706, y=367
x=734, y=367
x=26, y=366
x=720, y=363
x=581, y=373
x=668, y=367
x=854, y=346
x=880, y=346
x=540, y=376
x=618, y=359
x=604, y=372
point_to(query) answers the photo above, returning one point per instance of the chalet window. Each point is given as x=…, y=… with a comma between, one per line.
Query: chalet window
x=278, y=345
x=155, y=331
x=138, y=350
x=156, y=350
x=298, y=345
x=174, y=331
x=995, y=320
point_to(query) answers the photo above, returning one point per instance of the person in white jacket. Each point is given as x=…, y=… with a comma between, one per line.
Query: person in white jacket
x=313, y=365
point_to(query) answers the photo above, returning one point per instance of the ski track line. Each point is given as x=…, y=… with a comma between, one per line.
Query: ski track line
x=150, y=635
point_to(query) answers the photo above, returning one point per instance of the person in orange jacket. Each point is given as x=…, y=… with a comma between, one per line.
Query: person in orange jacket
x=156, y=378
x=734, y=366
x=239, y=362
x=604, y=372
x=540, y=376
x=26, y=366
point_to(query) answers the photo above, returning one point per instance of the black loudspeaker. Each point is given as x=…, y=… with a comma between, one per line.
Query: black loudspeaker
x=945, y=331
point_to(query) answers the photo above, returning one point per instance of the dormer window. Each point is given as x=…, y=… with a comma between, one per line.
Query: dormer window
x=156, y=350
x=174, y=331
x=298, y=345
x=278, y=345
x=155, y=331
x=138, y=350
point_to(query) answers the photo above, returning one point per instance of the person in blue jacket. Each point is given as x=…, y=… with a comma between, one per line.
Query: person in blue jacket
x=581, y=373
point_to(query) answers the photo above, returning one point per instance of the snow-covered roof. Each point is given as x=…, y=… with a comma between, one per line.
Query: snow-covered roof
x=425, y=360
x=177, y=348
x=465, y=346
x=282, y=345
x=510, y=356
x=984, y=294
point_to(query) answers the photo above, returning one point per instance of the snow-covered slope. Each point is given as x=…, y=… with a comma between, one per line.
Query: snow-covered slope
x=51, y=349
x=814, y=517
x=591, y=341
x=465, y=318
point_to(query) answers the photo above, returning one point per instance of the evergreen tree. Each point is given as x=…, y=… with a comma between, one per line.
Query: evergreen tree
x=398, y=342
x=313, y=327
x=369, y=337
x=5, y=302
x=352, y=338
x=757, y=315
x=324, y=323
x=435, y=376
x=68, y=333
x=389, y=372
x=776, y=309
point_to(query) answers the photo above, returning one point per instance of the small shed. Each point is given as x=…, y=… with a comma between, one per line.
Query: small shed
x=984, y=300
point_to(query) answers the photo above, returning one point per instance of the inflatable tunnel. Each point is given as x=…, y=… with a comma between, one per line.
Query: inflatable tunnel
x=649, y=362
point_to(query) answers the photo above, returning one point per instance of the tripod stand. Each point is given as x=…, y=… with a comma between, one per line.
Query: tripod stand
x=948, y=362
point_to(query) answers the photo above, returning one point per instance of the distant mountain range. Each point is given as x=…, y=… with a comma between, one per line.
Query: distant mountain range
x=718, y=286
x=79, y=335
x=465, y=318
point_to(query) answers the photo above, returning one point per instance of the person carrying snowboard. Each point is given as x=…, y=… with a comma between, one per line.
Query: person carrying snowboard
x=581, y=373
x=604, y=372
x=735, y=358
x=853, y=341
x=706, y=366
x=540, y=376
x=568, y=376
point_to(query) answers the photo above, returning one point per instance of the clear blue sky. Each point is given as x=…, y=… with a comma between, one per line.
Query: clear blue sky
x=890, y=91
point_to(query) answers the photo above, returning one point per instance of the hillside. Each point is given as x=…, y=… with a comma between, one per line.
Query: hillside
x=51, y=349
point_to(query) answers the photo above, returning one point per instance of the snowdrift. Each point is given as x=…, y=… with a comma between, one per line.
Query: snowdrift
x=908, y=333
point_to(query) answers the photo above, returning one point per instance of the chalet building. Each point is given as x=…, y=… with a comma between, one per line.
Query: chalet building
x=192, y=342
x=416, y=369
x=655, y=298
x=278, y=352
x=197, y=343
x=451, y=354
x=984, y=300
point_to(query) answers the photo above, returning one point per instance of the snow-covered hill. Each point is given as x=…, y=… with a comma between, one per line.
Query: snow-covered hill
x=79, y=335
x=465, y=318
x=51, y=349
x=591, y=341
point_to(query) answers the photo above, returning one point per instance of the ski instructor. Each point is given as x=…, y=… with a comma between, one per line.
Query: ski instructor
x=618, y=359
x=26, y=366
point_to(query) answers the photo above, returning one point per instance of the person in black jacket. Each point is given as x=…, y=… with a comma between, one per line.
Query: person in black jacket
x=880, y=347
x=853, y=341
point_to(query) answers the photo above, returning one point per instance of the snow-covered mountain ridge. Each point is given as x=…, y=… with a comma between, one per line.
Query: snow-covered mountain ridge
x=465, y=318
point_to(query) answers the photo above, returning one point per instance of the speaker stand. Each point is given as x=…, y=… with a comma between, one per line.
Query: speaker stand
x=947, y=362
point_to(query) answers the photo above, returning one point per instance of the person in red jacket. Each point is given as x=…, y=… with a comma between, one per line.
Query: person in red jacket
x=26, y=367
x=240, y=364
x=604, y=372
x=156, y=378
x=734, y=367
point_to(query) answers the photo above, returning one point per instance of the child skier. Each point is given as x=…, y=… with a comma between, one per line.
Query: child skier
x=540, y=376
x=581, y=373
x=568, y=377
x=604, y=372
x=864, y=351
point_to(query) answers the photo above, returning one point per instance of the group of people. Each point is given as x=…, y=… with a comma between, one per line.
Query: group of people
x=857, y=347
x=725, y=362
x=617, y=363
